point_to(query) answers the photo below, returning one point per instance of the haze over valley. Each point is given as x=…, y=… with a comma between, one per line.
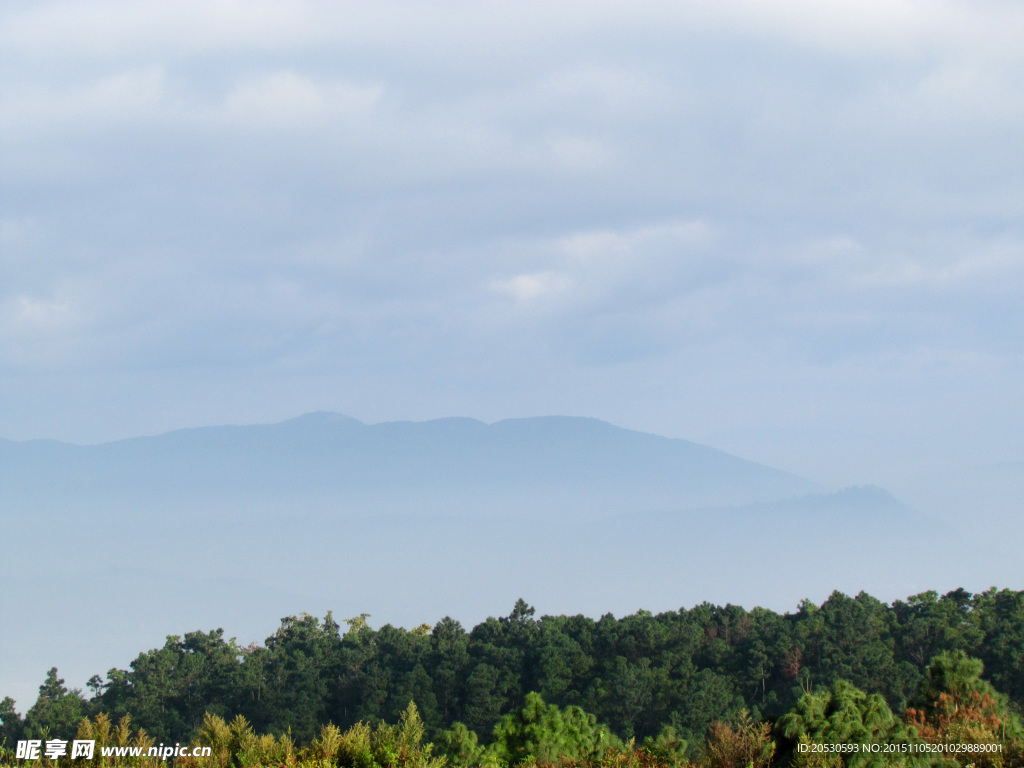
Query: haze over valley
x=237, y=526
x=415, y=309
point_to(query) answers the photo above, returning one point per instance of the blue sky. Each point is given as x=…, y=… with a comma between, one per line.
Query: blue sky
x=791, y=230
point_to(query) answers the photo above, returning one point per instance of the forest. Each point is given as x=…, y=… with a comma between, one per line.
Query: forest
x=710, y=685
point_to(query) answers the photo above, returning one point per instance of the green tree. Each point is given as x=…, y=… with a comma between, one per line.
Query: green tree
x=12, y=725
x=844, y=715
x=57, y=711
x=387, y=746
x=484, y=699
x=460, y=746
x=449, y=660
x=544, y=733
x=958, y=707
x=297, y=671
x=168, y=690
x=1000, y=617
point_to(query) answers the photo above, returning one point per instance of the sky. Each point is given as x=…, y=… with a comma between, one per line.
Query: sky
x=790, y=230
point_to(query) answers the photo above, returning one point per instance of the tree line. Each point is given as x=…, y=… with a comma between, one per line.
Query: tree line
x=643, y=677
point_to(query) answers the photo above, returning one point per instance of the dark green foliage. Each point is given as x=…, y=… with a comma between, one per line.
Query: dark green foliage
x=996, y=627
x=638, y=674
x=294, y=676
x=169, y=690
x=12, y=725
x=57, y=711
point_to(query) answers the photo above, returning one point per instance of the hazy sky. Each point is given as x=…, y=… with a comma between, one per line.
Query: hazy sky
x=790, y=230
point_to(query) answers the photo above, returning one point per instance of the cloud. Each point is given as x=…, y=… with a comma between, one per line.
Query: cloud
x=527, y=288
x=509, y=209
x=290, y=101
x=36, y=315
x=112, y=31
x=990, y=264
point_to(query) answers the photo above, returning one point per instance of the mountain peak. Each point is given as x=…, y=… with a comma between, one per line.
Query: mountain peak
x=319, y=418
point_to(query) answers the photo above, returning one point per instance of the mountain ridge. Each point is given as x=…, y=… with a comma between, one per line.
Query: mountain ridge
x=411, y=518
x=326, y=453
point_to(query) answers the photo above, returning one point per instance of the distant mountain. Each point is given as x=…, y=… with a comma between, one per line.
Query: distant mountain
x=857, y=500
x=126, y=542
x=540, y=466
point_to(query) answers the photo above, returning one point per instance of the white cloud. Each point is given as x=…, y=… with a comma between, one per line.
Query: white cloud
x=528, y=287
x=578, y=153
x=39, y=333
x=993, y=264
x=288, y=100
x=60, y=32
x=611, y=246
x=35, y=316
x=475, y=197
x=117, y=103
x=16, y=233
